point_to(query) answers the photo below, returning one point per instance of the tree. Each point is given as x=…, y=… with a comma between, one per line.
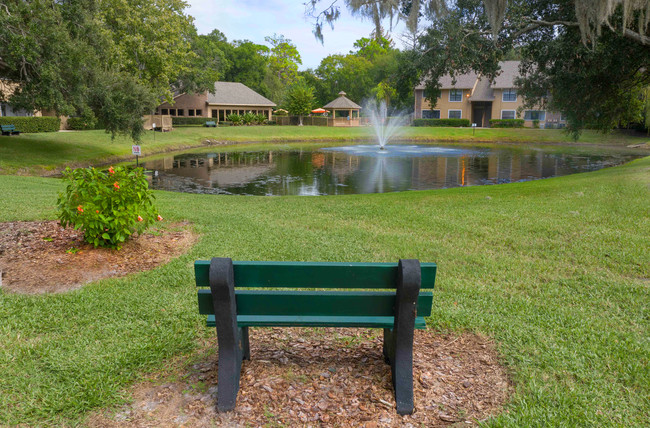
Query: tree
x=248, y=65
x=108, y=59
x=299, y=99
x=599, y=49
x=284, y=58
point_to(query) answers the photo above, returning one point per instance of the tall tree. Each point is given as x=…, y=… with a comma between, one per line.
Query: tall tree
x=103, y=58
x=299, y=99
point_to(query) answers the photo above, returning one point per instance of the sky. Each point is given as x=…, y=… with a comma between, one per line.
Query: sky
x=255, y=19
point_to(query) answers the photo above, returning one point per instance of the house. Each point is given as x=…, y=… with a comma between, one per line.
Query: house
x=227, y=98
x=475, y=98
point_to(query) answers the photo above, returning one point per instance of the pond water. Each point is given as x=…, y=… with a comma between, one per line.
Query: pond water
x=366, y=169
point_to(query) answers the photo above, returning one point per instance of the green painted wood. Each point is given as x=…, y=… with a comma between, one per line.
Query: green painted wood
x=314, y=274
x=316, y=321
x=315, y=303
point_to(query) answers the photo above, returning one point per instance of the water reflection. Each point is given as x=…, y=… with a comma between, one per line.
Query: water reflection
x=330, y=172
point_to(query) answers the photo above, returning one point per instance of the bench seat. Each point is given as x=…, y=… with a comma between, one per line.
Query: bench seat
x=316, y=321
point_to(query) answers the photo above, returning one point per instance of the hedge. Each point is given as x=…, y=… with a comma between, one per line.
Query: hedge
x=186, y=121
x=507, y=123
x=441, y=122
x=82, y=124
x=29, y=124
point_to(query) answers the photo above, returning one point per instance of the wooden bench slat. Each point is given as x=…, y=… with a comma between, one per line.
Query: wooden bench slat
x=316, y=321
x=314, y=274
x=315, y=303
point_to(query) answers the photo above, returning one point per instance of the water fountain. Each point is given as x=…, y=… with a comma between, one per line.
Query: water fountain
x=385, y=127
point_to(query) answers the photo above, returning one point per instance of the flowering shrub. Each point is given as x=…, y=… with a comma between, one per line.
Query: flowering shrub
x=109, y=206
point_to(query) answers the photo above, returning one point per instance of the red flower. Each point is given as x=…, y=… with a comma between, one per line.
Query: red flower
x=80, y=209
x=160, y=217
x=139, y=218
x=116, y=185
x=111, y=170
x=97, y=211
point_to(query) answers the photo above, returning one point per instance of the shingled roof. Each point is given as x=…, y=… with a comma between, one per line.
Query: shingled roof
x=342, y=102
x=235, y=93
x=509, y=70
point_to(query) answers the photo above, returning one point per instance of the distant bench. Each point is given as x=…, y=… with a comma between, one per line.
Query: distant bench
x=398, y=312
x=210, y=124
x=9, y=130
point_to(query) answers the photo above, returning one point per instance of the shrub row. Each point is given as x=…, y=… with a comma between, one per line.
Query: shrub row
x=183, y=121
x=441, y=122
x=507, y=123
x=83, y=124
x=29, y=124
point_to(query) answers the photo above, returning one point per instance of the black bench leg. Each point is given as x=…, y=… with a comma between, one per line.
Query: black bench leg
x=408, y=288
x=229, y=337
x=245, y=345
x=389, y=345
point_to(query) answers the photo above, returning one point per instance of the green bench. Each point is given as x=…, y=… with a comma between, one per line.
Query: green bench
x=9, y=130
x=210, y=124
x=246, y=294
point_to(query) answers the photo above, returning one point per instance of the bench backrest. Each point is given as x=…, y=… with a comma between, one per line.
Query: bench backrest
x=210, y=123
x=319, y=275
x=8, y=127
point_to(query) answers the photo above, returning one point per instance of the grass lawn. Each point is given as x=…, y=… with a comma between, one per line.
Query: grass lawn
x=556, y=271
x=37, y=154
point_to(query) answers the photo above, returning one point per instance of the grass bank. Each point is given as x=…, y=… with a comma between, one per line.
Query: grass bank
x=36, y=154
x=556, y=271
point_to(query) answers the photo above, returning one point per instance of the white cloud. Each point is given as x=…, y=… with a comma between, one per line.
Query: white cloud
x=254, y=19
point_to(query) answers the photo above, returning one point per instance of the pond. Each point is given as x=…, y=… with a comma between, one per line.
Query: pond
x=339, y=170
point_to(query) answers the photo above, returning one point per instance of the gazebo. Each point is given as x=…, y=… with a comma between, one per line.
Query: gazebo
x=345, y=112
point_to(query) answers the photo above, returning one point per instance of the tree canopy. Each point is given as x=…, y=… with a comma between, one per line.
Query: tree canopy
x=589, y=59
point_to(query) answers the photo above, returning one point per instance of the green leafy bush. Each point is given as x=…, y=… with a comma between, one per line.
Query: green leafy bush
x=441, y=122
x=249, y=118
x=188, y=121
x=507, y=123
x=536, y=123
x=235, y=119
x=83, y=123
x=108, y=206
x=261, y=119
x=29, y=124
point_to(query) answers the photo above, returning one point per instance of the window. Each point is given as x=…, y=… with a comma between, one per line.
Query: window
x=164, y=111
x=562, y=117
x=535, y=115
x=455, y=95
x=199, y=112
x=508, y=114
x=181, y=112
x=455, y=114
x=430, y=114
x=190, y=112
x=509, y=95
x=172, y=112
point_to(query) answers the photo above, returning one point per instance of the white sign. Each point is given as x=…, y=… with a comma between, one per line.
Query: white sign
x=473, y=125
x=153, y=125
x=136, y=150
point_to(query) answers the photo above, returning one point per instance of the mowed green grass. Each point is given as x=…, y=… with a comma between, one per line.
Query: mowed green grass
x=555, y=271
x=36, y=154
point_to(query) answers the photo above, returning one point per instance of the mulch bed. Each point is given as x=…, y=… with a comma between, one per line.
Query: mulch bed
x=305, y=377
x=42, y=257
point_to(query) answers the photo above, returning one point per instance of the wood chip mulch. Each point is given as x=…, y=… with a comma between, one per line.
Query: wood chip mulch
x=305, y=377
x=42, y=257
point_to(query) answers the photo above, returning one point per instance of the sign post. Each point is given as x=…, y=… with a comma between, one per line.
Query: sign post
x=153, y=125
x=136, y=151
x=473, y=129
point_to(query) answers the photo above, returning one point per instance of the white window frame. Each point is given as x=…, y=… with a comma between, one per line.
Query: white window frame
x=503, y=95
x=461, y=96
x=541, y=111
x=458, y=110
x=514, y=112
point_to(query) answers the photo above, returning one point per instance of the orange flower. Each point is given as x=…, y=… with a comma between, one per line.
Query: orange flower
x=160, y=217
x=97, y=211
x=139, y=218
x=80, y=208
x=111, y=170
x=116, y=185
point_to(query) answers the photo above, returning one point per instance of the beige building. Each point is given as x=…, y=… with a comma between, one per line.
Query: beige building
x=343, y=111
x=227, y=98
x=475, y=98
